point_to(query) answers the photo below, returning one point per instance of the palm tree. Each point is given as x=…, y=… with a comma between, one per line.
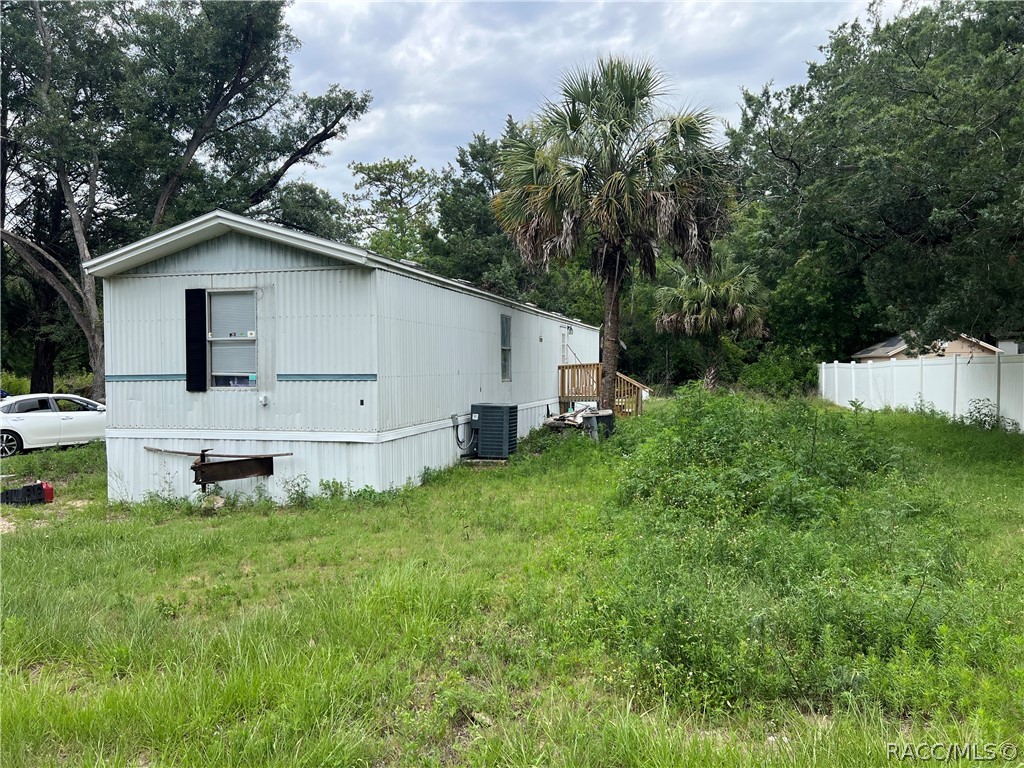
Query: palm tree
x=603, y=171
x=709, y=302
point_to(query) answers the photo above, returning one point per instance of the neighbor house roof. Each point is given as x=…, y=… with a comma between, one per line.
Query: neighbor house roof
x=891, y=346
x=218, y=222
x=980, y=343
x=895, y=344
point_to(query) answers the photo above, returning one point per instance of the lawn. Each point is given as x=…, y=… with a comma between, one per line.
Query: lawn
x=816, y=586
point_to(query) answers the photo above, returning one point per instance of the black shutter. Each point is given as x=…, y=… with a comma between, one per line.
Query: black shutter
x=196, y=379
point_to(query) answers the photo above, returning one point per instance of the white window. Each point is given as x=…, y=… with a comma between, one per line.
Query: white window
x=506, y=348
x=232, y=339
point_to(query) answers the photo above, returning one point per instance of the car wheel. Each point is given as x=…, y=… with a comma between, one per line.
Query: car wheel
x=10, y=444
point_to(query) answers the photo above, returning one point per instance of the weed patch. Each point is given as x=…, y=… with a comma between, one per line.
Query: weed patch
x=764, y=552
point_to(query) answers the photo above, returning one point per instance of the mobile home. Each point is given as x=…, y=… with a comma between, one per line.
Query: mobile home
x=243, y=338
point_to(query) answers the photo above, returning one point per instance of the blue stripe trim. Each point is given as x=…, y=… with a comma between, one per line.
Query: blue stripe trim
x=145, y=377
x=327, y=377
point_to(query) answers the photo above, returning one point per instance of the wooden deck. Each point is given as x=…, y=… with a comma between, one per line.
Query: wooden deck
x=582, y=381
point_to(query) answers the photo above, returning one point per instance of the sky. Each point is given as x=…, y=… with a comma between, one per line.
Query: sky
x=441, y=71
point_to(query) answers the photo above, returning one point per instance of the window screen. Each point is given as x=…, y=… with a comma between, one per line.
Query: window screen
x=232, y=338
x=506, y=348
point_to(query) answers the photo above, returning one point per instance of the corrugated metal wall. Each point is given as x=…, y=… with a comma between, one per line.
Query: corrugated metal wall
x=440, y=352
x=312, y=323
x=133, y=472
x=232, y=253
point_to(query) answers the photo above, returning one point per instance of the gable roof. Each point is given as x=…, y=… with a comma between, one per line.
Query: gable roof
x=891, y=346
x=218, y=222
x=895, y=344
x=983, y=344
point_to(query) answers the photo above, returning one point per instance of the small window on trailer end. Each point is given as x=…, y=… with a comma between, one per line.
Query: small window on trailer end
x=506, y=348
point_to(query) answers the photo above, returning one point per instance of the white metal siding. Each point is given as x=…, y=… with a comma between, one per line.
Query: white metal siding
x=313, y=323
x=440, y=352
x=233, y=253
x=133, y=472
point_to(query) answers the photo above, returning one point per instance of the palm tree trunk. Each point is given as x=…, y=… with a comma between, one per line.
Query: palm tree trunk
x=610, y=347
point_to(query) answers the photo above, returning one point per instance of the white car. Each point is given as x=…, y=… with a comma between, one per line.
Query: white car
x=42, y=421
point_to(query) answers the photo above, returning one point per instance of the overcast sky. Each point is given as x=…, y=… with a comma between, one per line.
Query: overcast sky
x=441, y=71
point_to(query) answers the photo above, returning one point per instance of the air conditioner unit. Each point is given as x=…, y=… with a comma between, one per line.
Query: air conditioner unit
x=497, y=427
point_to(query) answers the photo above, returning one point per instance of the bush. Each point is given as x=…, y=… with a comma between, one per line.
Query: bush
x=14, y=385
x=781, y=372
x=984, y=414
x=74, y=384
x=69, y=384
x=773, y=550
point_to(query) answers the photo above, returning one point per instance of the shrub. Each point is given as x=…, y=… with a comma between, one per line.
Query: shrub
x=74, y=384
x=71, y=384
x=781, y=372
x=14, y=385
x=984, y=414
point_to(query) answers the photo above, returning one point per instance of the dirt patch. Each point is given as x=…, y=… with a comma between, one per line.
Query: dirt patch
x=6, y=525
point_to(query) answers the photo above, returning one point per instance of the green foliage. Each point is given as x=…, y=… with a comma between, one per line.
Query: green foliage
x=296, y=491
x=79, y=383
x=14, y=385
x=887, y=185
x=711, y=302
x=467, y=242
x=822, y=305
x=777, y=551
x=781, y=372
x=307, y=208
x=984, y=414
x=393, y=204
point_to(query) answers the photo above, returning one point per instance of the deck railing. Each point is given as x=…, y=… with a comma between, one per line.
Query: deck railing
x=582, y=381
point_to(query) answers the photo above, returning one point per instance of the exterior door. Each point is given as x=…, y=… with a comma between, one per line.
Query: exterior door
x=80, y=421
x=564, y=347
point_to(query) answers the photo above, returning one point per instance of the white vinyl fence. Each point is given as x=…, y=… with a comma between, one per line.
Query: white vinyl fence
x=948, y=384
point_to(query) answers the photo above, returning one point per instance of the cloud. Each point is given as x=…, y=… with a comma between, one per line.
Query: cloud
x=442, y=71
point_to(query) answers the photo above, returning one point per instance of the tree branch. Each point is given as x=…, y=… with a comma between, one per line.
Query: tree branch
x=218, y=104
x=28, y=252
x=262, y=192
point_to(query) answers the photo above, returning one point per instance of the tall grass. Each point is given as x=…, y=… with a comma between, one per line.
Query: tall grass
x=764, y=552
x=725, y=582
